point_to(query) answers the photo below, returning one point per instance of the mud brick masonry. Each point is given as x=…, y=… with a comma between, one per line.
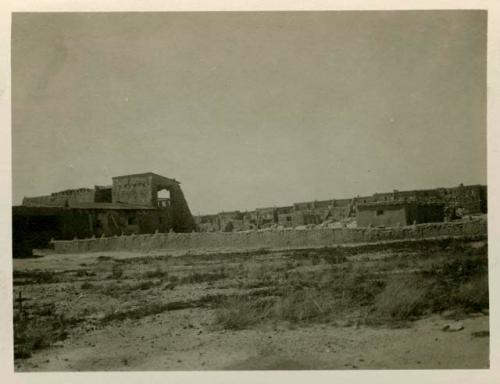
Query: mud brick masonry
x=388, y=209
x=130, y=206
x=397, y=213
x=274, y=239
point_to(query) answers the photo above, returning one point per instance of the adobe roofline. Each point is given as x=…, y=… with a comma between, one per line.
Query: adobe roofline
x=397, y=203
x=145, y=174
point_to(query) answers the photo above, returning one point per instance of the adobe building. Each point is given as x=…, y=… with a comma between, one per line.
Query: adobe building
x=459, y=201
x=132, y=205
x=398, y=213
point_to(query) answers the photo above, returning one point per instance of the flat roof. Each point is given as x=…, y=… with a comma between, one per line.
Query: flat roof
x=397, y=203
x=145, y=174
x=109, y=206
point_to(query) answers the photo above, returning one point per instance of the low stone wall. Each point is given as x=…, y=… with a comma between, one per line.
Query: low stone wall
x=269, y=239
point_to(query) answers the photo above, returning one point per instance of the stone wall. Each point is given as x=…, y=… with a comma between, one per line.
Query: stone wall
x=270, y=239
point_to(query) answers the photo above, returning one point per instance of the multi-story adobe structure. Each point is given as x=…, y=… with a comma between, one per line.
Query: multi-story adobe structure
x=131, y=205
x=471, y=199
x=398, y=213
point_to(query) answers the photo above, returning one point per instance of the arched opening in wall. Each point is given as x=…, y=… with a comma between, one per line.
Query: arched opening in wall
x=164, y=198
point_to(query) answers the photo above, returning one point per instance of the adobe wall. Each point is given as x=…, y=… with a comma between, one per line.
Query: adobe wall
x=60, y=199
x=391, y=216
x=134, y=189
x=270, y=239
x=182, y=218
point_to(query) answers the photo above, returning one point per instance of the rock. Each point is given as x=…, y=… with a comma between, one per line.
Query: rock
x=453, y=327
x=481, y=334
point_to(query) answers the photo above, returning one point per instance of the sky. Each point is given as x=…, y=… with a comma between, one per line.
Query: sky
x=250, y=109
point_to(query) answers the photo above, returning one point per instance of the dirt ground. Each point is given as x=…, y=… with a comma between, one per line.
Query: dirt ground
x=124, y=311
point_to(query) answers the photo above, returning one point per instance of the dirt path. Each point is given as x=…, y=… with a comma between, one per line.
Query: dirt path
x=183, y=340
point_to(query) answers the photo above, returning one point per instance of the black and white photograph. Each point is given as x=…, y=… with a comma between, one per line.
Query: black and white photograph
x=249, y=190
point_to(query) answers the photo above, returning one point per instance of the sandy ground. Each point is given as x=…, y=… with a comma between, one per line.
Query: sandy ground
x=187, y=339
x=180, y=341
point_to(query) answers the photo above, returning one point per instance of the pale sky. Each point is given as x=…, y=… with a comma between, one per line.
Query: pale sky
x=250, y=110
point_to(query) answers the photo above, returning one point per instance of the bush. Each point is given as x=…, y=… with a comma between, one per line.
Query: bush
x=35, y=277
x=402, y=299
x=315, y=259
x=300, y=305
x=39, y=332
x=473, y=296
x=157, y=273
x=362, y=287
x=145, y=285
x=241, y=312
x=446, y=279
x=197, y=277
x=87, y=285
x=116, y=271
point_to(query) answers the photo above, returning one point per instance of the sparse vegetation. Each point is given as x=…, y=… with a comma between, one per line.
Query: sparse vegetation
x=241, y=312
x=116, y=271
x=35, y=277
x=87, y=285
x=157, y=307
x=455, y=279
x=38, y=330
x=402, y=299
x=371, y=285
x=158, y=273
x=200, y=277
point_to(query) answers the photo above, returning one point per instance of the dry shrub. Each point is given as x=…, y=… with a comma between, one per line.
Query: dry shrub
x=300, y=305
x=450, y=279
x=203, y=277
x=472, y=296
x=116, y=271
x=35, y=277
x=240, y=312
x=265, y=274
x=359, y=284
x=39, y=331
x=295, y=306
x=158, y=273
x=87, y=285
x=402, y=299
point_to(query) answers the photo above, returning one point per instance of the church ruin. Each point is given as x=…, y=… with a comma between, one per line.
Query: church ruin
x=133, y=204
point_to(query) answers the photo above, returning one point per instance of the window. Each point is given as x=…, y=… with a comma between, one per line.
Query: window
x=98, y=224
x=163, y=198
x=132, y=220
x=380, y=212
